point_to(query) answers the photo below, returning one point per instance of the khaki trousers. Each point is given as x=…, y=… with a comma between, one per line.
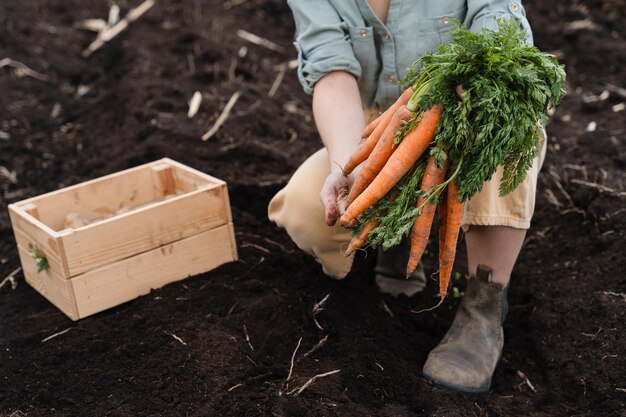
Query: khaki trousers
x=298, y=209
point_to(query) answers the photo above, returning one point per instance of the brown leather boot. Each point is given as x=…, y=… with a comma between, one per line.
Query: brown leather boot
x=390, y=272
x=467, y=356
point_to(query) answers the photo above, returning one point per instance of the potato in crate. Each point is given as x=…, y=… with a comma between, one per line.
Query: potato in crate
x=103, y=242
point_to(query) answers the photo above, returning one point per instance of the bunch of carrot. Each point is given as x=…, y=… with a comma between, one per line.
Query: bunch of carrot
x=478, y=103
x=385, y=165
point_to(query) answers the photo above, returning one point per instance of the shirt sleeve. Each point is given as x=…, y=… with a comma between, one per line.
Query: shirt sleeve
x=483, y=14
x=323, y=42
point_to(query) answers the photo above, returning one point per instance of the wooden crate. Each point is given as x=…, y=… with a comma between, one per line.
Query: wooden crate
x=145, y=227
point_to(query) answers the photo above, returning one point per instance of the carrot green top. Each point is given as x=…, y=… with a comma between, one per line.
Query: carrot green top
x=347, y=35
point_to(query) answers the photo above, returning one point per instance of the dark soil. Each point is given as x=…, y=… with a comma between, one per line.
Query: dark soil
x=127, y=105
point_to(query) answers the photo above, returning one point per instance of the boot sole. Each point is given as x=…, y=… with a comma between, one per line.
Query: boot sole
x=462, y=390
x=457, y=389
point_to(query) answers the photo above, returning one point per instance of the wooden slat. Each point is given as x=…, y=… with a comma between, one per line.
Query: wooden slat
x=125, y=280
x=31, y=209
x=106, y=195
x=144, y=229
x=233, y=241
x=97, y=198
x=163, y=180
x=226, y=198
x=193, y=171
x=188, y=179
x=54, y=288
x=30, y=232
x=186, y=182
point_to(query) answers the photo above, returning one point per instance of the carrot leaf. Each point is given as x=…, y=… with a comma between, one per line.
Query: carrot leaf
x=496, y=91
x=508, y=87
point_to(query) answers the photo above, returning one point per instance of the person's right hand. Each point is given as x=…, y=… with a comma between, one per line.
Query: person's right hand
x=334, y=195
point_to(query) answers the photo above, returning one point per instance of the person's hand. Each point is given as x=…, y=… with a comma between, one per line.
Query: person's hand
x=334, y=195
x=339, y=118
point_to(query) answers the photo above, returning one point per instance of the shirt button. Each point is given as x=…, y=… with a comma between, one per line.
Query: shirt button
x=364, y=33
x=386, y=36
x=515, y=7
x=392, y=79
x=445, y=20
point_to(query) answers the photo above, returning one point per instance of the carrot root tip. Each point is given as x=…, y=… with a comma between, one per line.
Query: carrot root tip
x=443, y=297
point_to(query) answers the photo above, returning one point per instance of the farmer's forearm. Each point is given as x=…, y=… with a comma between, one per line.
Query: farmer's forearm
x=338, y=113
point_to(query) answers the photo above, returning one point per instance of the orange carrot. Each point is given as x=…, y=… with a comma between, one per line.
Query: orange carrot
x=454, y=214
x=369, y=129
x=406, y=154
x=442, y=209
x=433, y=176
x=358, y=241
x=381, y=153
x=368, y=145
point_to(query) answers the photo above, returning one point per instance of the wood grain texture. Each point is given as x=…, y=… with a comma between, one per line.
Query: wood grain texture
x=49, y=284
x=150, y=225
x=125, y=280
x=30, y=232
x=97, y=198
x=144, y=229
x=163, y=180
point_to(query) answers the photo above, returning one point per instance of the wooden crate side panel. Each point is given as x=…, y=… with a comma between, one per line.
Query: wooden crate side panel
x=187, y=182
x=144, y=229
x=227, y=203
x=29, y=234
x=163, y=180
x=125, y=280
x=54, y=288
x=192, y=175
x=97, y=198
x=189, y=179
x=70, y=188
x=233, y=241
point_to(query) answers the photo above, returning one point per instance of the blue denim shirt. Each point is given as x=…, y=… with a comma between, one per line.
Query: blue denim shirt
x=346, y=35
